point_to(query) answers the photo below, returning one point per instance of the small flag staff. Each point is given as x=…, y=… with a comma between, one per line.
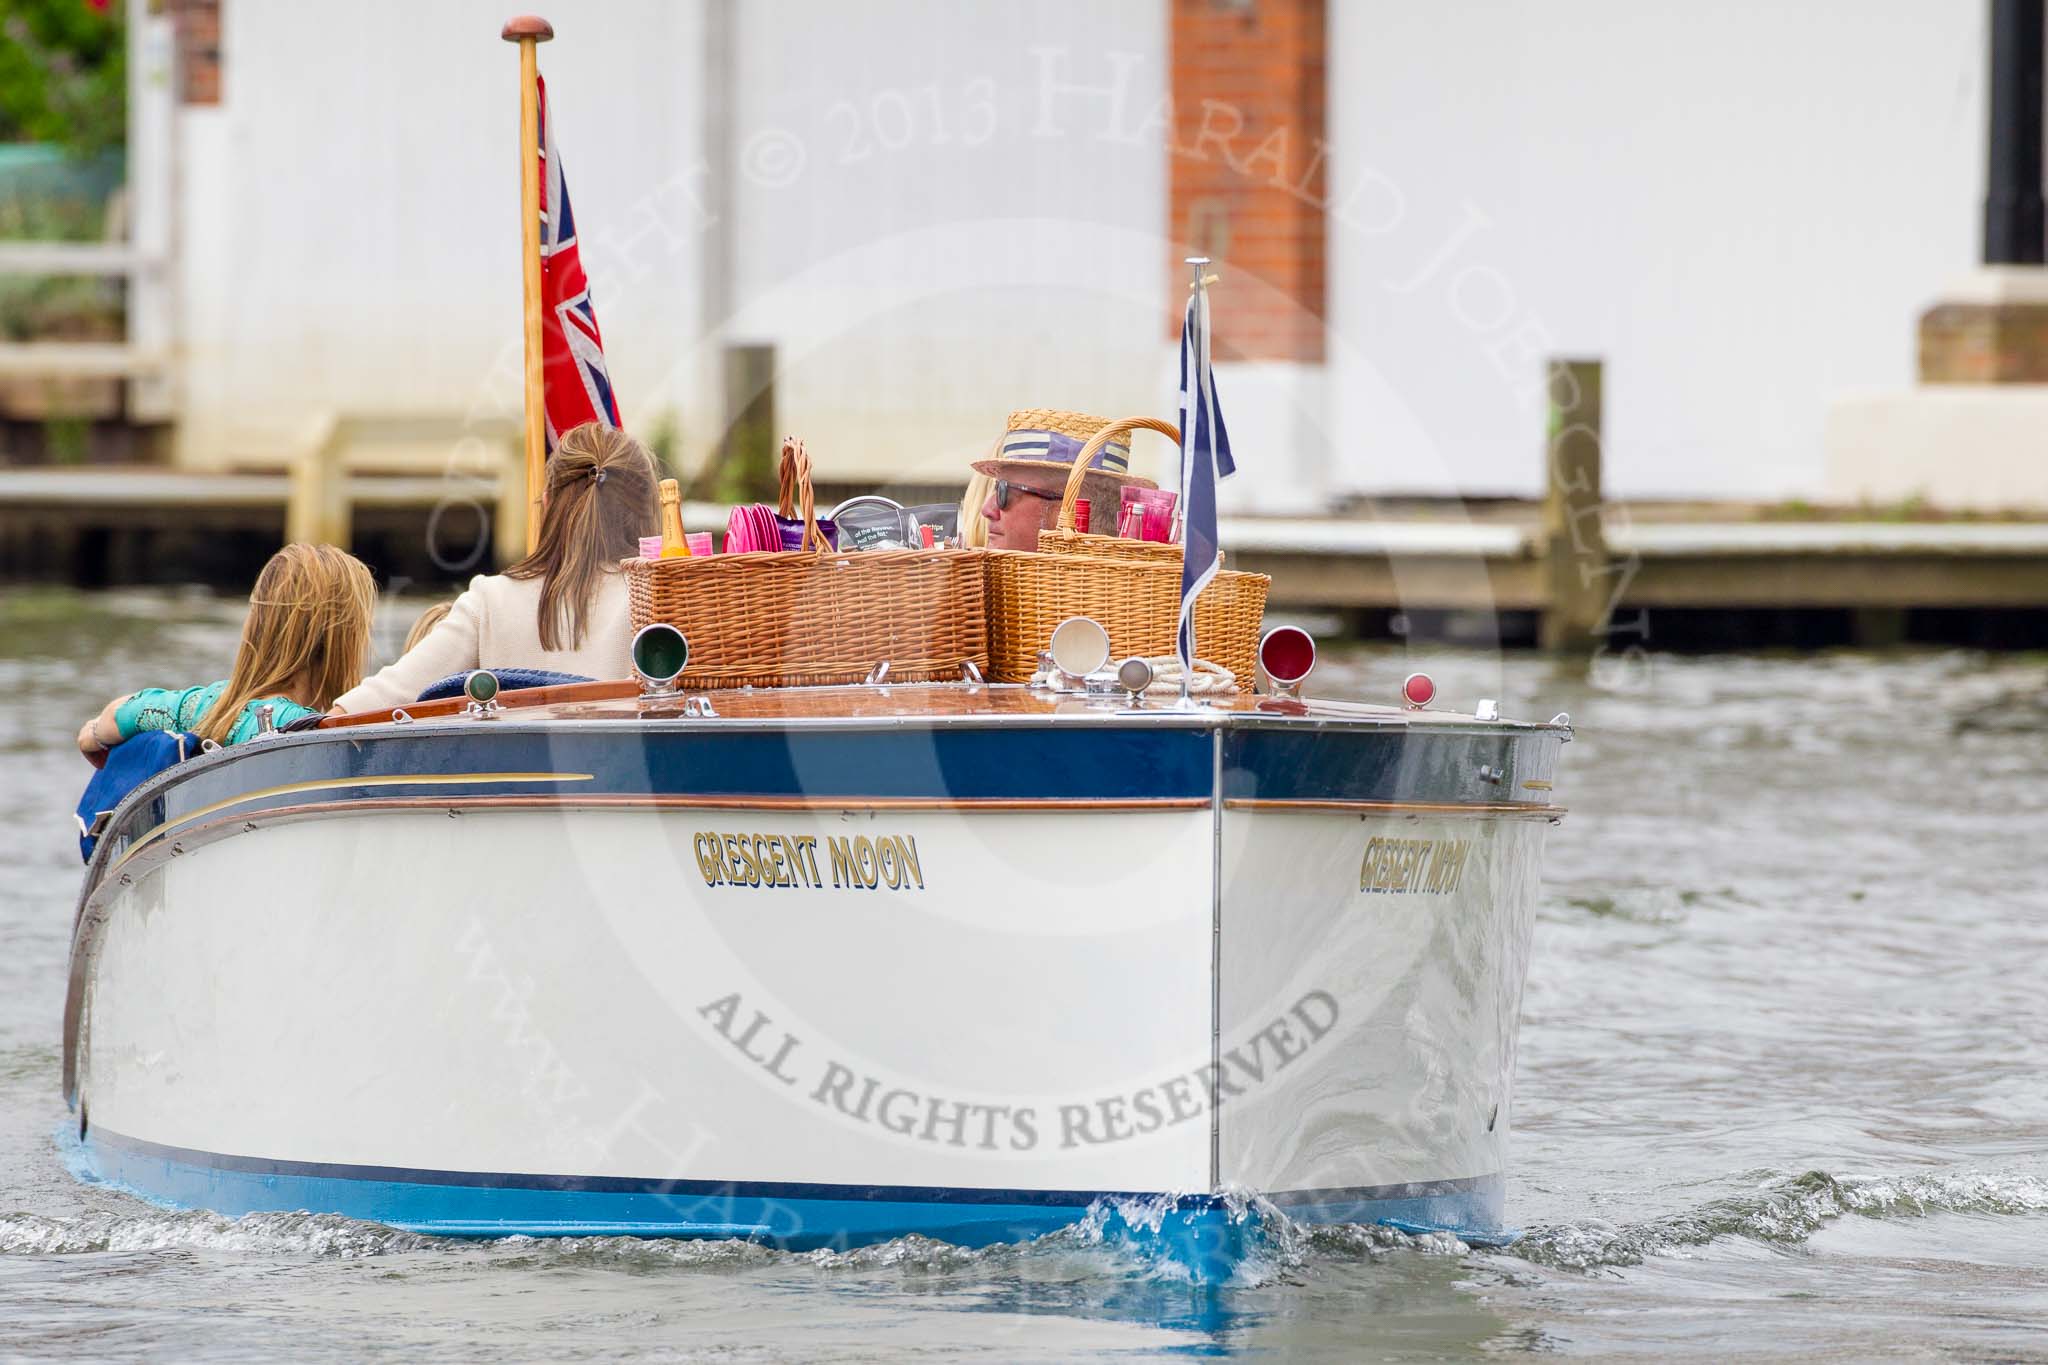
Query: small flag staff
x=1197, y=287
x=529, y=31
x=1204, y=460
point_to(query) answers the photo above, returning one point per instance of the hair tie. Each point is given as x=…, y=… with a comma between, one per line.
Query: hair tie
x=598, y=475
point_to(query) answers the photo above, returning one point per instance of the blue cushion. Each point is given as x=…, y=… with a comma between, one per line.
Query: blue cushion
x=509, y=680
x=129, y=764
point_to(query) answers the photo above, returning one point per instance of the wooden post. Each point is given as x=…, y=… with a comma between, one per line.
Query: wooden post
x=529, y=31
x=317, y=509
x=509, y=534
x=1574, y=549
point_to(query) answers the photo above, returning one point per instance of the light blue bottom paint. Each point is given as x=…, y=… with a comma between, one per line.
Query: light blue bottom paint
x=1201, y=1233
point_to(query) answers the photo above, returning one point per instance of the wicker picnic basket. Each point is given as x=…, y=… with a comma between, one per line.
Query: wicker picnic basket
x=815, y=616
x=1130, y=587
x=1064, y=539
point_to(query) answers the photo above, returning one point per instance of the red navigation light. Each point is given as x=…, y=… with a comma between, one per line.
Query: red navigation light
x=1417, y=689
x=1288, y=654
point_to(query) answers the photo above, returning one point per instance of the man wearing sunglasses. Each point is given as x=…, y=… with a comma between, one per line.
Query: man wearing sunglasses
x=1031, y=470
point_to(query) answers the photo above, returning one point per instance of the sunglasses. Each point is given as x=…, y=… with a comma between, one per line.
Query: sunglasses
x=1004, y=490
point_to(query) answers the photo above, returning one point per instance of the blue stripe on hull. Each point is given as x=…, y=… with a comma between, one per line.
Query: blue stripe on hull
x=1198, y=1232
x=1085, y=763
x=1023, y=763
x=1292, y=763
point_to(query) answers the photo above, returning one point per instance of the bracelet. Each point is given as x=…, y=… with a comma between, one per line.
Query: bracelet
x=95, y=729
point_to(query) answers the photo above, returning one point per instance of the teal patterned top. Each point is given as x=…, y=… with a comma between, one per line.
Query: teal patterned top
x=159, y=708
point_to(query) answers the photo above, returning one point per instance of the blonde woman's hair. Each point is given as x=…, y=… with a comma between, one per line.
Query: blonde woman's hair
x=431, y=617
x=973, y=525
x=600, y=501
x=307, y=634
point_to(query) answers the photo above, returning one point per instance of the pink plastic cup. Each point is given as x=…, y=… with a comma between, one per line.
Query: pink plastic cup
x=650, y=547
x=1157, y=511
x=700, y=542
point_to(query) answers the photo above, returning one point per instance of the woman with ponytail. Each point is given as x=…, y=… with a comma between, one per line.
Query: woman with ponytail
x=562, y=608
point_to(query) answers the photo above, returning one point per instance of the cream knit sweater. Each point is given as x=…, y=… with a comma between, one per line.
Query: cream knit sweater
x=496, y=624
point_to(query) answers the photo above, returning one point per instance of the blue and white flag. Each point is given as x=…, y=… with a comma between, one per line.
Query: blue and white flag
x=1204, y=458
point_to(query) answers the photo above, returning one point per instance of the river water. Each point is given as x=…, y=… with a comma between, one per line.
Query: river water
x=1783, y=1085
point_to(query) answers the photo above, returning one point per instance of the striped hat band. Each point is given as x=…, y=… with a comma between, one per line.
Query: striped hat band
x=1055, y=447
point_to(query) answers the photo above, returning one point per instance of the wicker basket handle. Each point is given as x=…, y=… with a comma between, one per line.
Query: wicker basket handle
x=793, y=482
x=1094, y=448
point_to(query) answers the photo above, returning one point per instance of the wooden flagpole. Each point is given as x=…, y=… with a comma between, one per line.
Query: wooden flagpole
x=529, y=31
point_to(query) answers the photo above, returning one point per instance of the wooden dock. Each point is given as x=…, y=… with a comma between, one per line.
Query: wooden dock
x=1448, y=565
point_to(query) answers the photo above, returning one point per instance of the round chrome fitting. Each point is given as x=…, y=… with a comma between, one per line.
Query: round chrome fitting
x=660, y=654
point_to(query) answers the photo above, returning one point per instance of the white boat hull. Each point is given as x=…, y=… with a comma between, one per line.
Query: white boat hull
x=679, y=1015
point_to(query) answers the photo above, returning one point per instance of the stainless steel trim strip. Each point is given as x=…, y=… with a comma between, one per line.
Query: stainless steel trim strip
x=335, y=783
x=1216, y=970
x=1510, y=808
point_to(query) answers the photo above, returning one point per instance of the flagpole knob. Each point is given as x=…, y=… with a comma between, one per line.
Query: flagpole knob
x=523, y=27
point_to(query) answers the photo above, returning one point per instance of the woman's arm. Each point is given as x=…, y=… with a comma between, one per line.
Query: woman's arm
x=152, y=708
x=450, y=647
x=102, y=732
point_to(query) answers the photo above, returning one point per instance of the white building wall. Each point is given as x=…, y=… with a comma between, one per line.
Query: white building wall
x=934, y=227
x=349, y=220
x=927, y=226
x=1743, y=207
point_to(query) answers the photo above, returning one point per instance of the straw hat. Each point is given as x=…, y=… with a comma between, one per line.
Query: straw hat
x=1049, y=440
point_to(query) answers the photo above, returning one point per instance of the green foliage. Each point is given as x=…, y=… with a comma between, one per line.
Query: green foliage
x=57, y=307
x=65, y=439
x=41, y=217
x=1912, y=507
x=48, y=307
x=63, y=74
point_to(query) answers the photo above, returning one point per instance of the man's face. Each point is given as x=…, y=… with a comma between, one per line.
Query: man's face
x=1034, y=505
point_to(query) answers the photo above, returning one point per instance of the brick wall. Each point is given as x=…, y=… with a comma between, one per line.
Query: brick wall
x=198, y=26
x=1984, y=343
x=1246, y=170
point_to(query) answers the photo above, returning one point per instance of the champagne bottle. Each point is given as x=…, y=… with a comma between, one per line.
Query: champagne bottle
x=673, y=543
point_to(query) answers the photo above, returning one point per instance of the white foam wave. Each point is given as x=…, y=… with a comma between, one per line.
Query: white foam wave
x=1116, y=1238
x=1787, y=1209
x=300, y=1234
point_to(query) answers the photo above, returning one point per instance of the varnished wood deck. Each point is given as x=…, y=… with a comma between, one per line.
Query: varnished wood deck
x=611, y=701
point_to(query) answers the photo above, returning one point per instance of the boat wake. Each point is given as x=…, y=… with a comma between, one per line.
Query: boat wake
x=318, y=1235
x=1116, y=1239
x=1785, y=1210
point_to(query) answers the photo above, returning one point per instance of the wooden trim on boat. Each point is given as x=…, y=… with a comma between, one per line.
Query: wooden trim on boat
x=1395, y=807
x=623, y=801
x=510, y=700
